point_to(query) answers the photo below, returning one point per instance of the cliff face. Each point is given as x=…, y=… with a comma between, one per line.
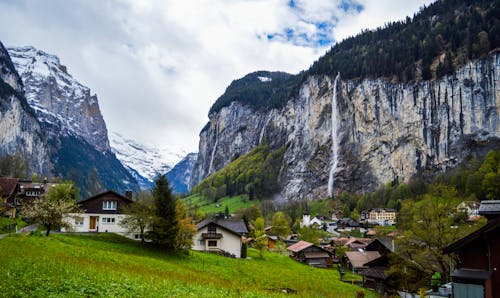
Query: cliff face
x=20, y=132
x=382, y=131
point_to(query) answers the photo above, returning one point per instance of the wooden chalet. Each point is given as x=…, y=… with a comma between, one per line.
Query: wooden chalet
x=477, y=272
x=9, y=187
x=311, y=254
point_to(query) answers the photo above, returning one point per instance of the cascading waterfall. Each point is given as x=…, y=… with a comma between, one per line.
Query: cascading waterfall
x=210, y=167
x=264, y=127
x=335, y=139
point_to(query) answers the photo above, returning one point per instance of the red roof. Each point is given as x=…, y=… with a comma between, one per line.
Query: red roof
x=299, y=246
x=8, y=186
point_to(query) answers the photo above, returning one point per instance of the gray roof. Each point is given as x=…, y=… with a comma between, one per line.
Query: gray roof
x=489, y=207
x=236, y=226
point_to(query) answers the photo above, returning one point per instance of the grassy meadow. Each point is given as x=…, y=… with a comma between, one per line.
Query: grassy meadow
x=234, y=204
x=108, y=265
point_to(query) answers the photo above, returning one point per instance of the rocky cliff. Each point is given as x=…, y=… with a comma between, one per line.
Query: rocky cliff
x=179, y=177
x=20, y=131
x=71, y=123
x=365, y=133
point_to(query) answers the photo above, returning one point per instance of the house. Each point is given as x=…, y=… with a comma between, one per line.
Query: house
x=469, y=207
x=101, y=213
x=347, y=224
x=336, y=214
x=308, y=222
x=311, y=254
x=9, y=188
x=220, y=235
x=356, y=260
x=380, y=216
x=477, y=272
x=375, y=275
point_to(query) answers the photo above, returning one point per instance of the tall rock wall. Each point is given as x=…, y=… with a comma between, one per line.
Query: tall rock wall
x=385, y=131
x=20, y=131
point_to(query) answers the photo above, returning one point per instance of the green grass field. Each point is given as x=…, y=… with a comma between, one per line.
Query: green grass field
x=233, y=203
x=7, y=225
x=108, y=265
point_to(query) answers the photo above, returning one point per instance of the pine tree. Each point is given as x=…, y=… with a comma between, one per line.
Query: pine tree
x=165, y=224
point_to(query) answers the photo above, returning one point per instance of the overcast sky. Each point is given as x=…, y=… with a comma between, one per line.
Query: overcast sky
x=158, y=66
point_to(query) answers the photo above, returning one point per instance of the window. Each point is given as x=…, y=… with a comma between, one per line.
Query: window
x=108, y=220
x=78, y=221
x=109, y=205
x=211, y=229
x=212, y=243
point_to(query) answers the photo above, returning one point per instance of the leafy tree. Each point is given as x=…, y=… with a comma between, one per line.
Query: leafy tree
x=260, y=239
x=226, y=212
x=140, y=214
x=51, y=210
x=311, y=234
x=14, y=165
x=347, y=211
x=355, y=214
x=184, y=239
x=281, y=224
x=165, y=224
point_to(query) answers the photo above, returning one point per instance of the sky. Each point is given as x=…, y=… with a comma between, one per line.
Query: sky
x=157, y=66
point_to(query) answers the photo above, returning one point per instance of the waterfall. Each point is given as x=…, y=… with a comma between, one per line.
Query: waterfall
x=335, y=139
x=214, y=149
x=264, y=127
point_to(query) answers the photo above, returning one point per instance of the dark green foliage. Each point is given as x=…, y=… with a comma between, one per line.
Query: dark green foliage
x=165, y=224
x=255, y=174
x=14, y=166
x=454, y=31
x=91, y=170
x=251, y=91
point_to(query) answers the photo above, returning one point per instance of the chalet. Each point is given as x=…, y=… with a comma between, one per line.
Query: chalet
x=375, y=274
x=478, y=257
x=356, y=260
x=469, y=207
x=220, y=235
x=9, y=187
x=380, y=216
x=101, y=213
x=311, y=254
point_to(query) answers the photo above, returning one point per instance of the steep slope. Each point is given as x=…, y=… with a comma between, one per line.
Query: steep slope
x=20, y=132
x=72, y=123
x=145, y=162
x=357, y=133
x=179, y=177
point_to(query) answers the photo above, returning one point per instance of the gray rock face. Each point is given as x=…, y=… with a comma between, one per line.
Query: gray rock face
x=20, y=132
x=386, y=131
x=62, y=104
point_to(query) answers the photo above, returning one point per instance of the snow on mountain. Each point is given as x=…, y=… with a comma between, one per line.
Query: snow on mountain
x=144, y=160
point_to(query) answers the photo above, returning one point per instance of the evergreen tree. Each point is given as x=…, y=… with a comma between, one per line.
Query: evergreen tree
x=165, y=224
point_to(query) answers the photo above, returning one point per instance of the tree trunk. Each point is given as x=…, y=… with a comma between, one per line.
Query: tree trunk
x=48, y=226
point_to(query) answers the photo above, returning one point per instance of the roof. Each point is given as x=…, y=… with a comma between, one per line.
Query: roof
x=106, y=193
x=359, y=259
x=235, y=226
x=490, y=207
x=490, y=226
x=301, y=245
x=471, y=274
x=8, y=185
x=375, y=272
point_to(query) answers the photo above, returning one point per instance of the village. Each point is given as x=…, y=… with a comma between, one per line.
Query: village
x=362, y=249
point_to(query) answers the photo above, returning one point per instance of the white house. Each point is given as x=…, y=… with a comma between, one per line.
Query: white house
x=308, y=222
x=469, y=207
x=220, y=235
x=101, y=213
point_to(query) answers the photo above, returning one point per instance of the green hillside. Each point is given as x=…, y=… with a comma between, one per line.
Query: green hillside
x=108, y=265
x=200, y=203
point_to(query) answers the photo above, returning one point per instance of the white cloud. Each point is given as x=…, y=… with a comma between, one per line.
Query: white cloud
x=157, y=66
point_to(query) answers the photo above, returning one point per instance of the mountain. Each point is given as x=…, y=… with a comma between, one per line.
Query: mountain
x=71, y=122
x=20, y=131
x=144, y=162
x=179, y=177
x=356, y=132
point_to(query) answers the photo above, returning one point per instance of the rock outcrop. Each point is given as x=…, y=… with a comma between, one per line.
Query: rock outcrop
x=385, y=132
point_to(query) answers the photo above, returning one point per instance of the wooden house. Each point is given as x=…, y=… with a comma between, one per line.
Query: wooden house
x=311, y=254
x=477, y=272
x=101, y=213
x=9, y=188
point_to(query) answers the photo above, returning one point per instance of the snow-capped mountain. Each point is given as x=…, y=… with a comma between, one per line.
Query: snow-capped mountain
x=58, y=100
x=71, y=123
x=144, y=161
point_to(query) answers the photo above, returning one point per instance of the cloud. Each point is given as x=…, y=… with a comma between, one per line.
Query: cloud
x=157, y=66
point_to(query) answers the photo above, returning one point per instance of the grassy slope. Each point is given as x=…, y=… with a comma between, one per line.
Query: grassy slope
x=109, y=265
x=233, y=203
